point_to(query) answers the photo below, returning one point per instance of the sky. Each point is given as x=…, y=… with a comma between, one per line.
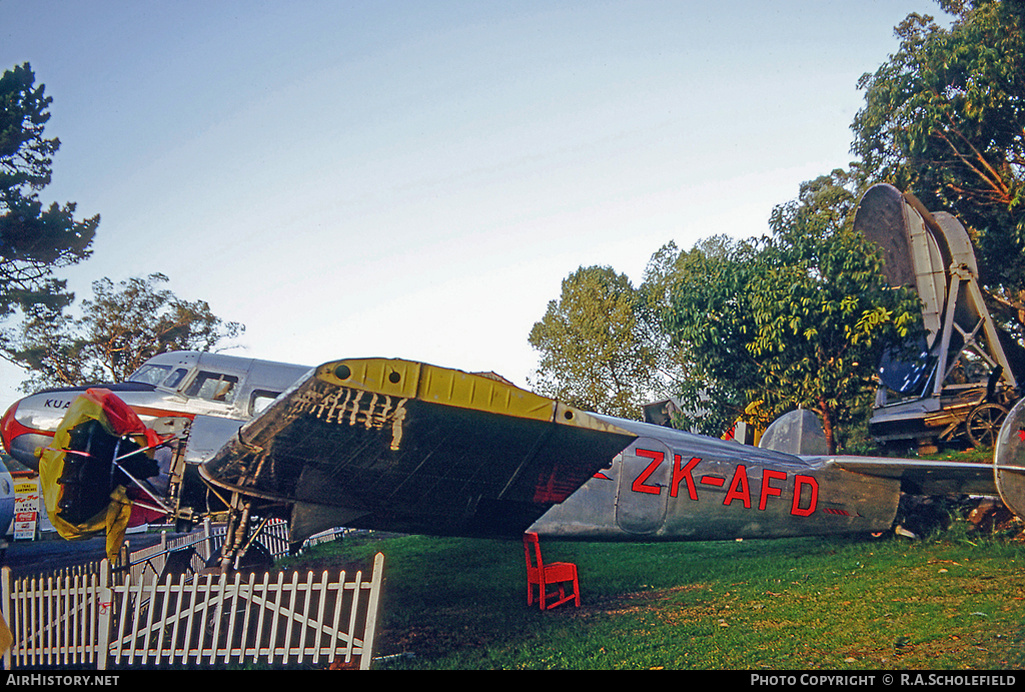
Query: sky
x=357, y=178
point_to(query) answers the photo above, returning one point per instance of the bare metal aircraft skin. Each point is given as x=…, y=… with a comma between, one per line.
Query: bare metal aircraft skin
x=405, y=446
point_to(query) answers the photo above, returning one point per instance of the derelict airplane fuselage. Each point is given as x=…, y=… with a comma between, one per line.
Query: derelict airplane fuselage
x=405, y=446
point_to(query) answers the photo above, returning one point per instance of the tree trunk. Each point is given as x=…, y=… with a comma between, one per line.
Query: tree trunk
x=827, y=427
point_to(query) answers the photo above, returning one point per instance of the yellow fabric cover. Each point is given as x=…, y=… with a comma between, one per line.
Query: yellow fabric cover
x=113, y=520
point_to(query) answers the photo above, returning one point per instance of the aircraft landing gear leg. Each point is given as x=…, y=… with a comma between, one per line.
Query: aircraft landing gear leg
x=235, y=534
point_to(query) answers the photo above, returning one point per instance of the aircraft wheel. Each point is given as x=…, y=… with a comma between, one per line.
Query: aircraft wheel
x=983, y=424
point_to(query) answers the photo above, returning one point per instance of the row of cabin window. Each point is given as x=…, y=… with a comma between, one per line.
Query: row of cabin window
x=212, y=386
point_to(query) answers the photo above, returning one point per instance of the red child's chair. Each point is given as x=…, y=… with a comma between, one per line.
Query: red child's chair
x=555, y=574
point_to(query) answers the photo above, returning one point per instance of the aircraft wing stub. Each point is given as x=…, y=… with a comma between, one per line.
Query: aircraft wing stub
x=406, y=446
x=924, y=477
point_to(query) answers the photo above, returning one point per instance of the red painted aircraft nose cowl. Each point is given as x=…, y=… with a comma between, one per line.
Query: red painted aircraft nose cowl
x=21, y=441
x=9, y=427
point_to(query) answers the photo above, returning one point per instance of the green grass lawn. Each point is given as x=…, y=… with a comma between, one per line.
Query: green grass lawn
x=952, y=601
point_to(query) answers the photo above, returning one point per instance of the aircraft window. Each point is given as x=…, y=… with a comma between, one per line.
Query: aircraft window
x=261, y=399
x=149, y=374
x=213, y=386
x=175, y=378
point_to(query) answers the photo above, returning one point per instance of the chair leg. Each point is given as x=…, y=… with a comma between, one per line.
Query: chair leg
x=551, y=601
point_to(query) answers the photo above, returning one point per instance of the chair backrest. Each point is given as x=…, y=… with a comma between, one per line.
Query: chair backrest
x=532, y=550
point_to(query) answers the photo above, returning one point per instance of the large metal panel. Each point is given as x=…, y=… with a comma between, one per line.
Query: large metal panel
x=643, y=487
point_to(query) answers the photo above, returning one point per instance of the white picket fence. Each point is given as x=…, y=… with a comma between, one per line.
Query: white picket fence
x=206, y=620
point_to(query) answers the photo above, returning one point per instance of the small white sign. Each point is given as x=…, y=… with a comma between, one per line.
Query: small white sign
x=26, y=510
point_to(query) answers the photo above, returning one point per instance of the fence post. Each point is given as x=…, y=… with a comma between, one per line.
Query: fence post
x=371, y=625
x=5, y=609
x=208, y=539
x=105, y=612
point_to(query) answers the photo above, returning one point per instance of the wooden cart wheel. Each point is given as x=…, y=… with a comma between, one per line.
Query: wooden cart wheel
x=983, y=424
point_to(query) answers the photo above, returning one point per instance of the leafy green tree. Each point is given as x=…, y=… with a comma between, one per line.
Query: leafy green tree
x=823, y=311
x=120, y=328
x=675, y=371
x=798, y=319
x=594, y=353
x=944, y=117
x=703, y=308
x=34, y=241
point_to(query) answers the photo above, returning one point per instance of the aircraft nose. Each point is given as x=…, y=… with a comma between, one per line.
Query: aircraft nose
x=7, y=426
x=19, y=440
